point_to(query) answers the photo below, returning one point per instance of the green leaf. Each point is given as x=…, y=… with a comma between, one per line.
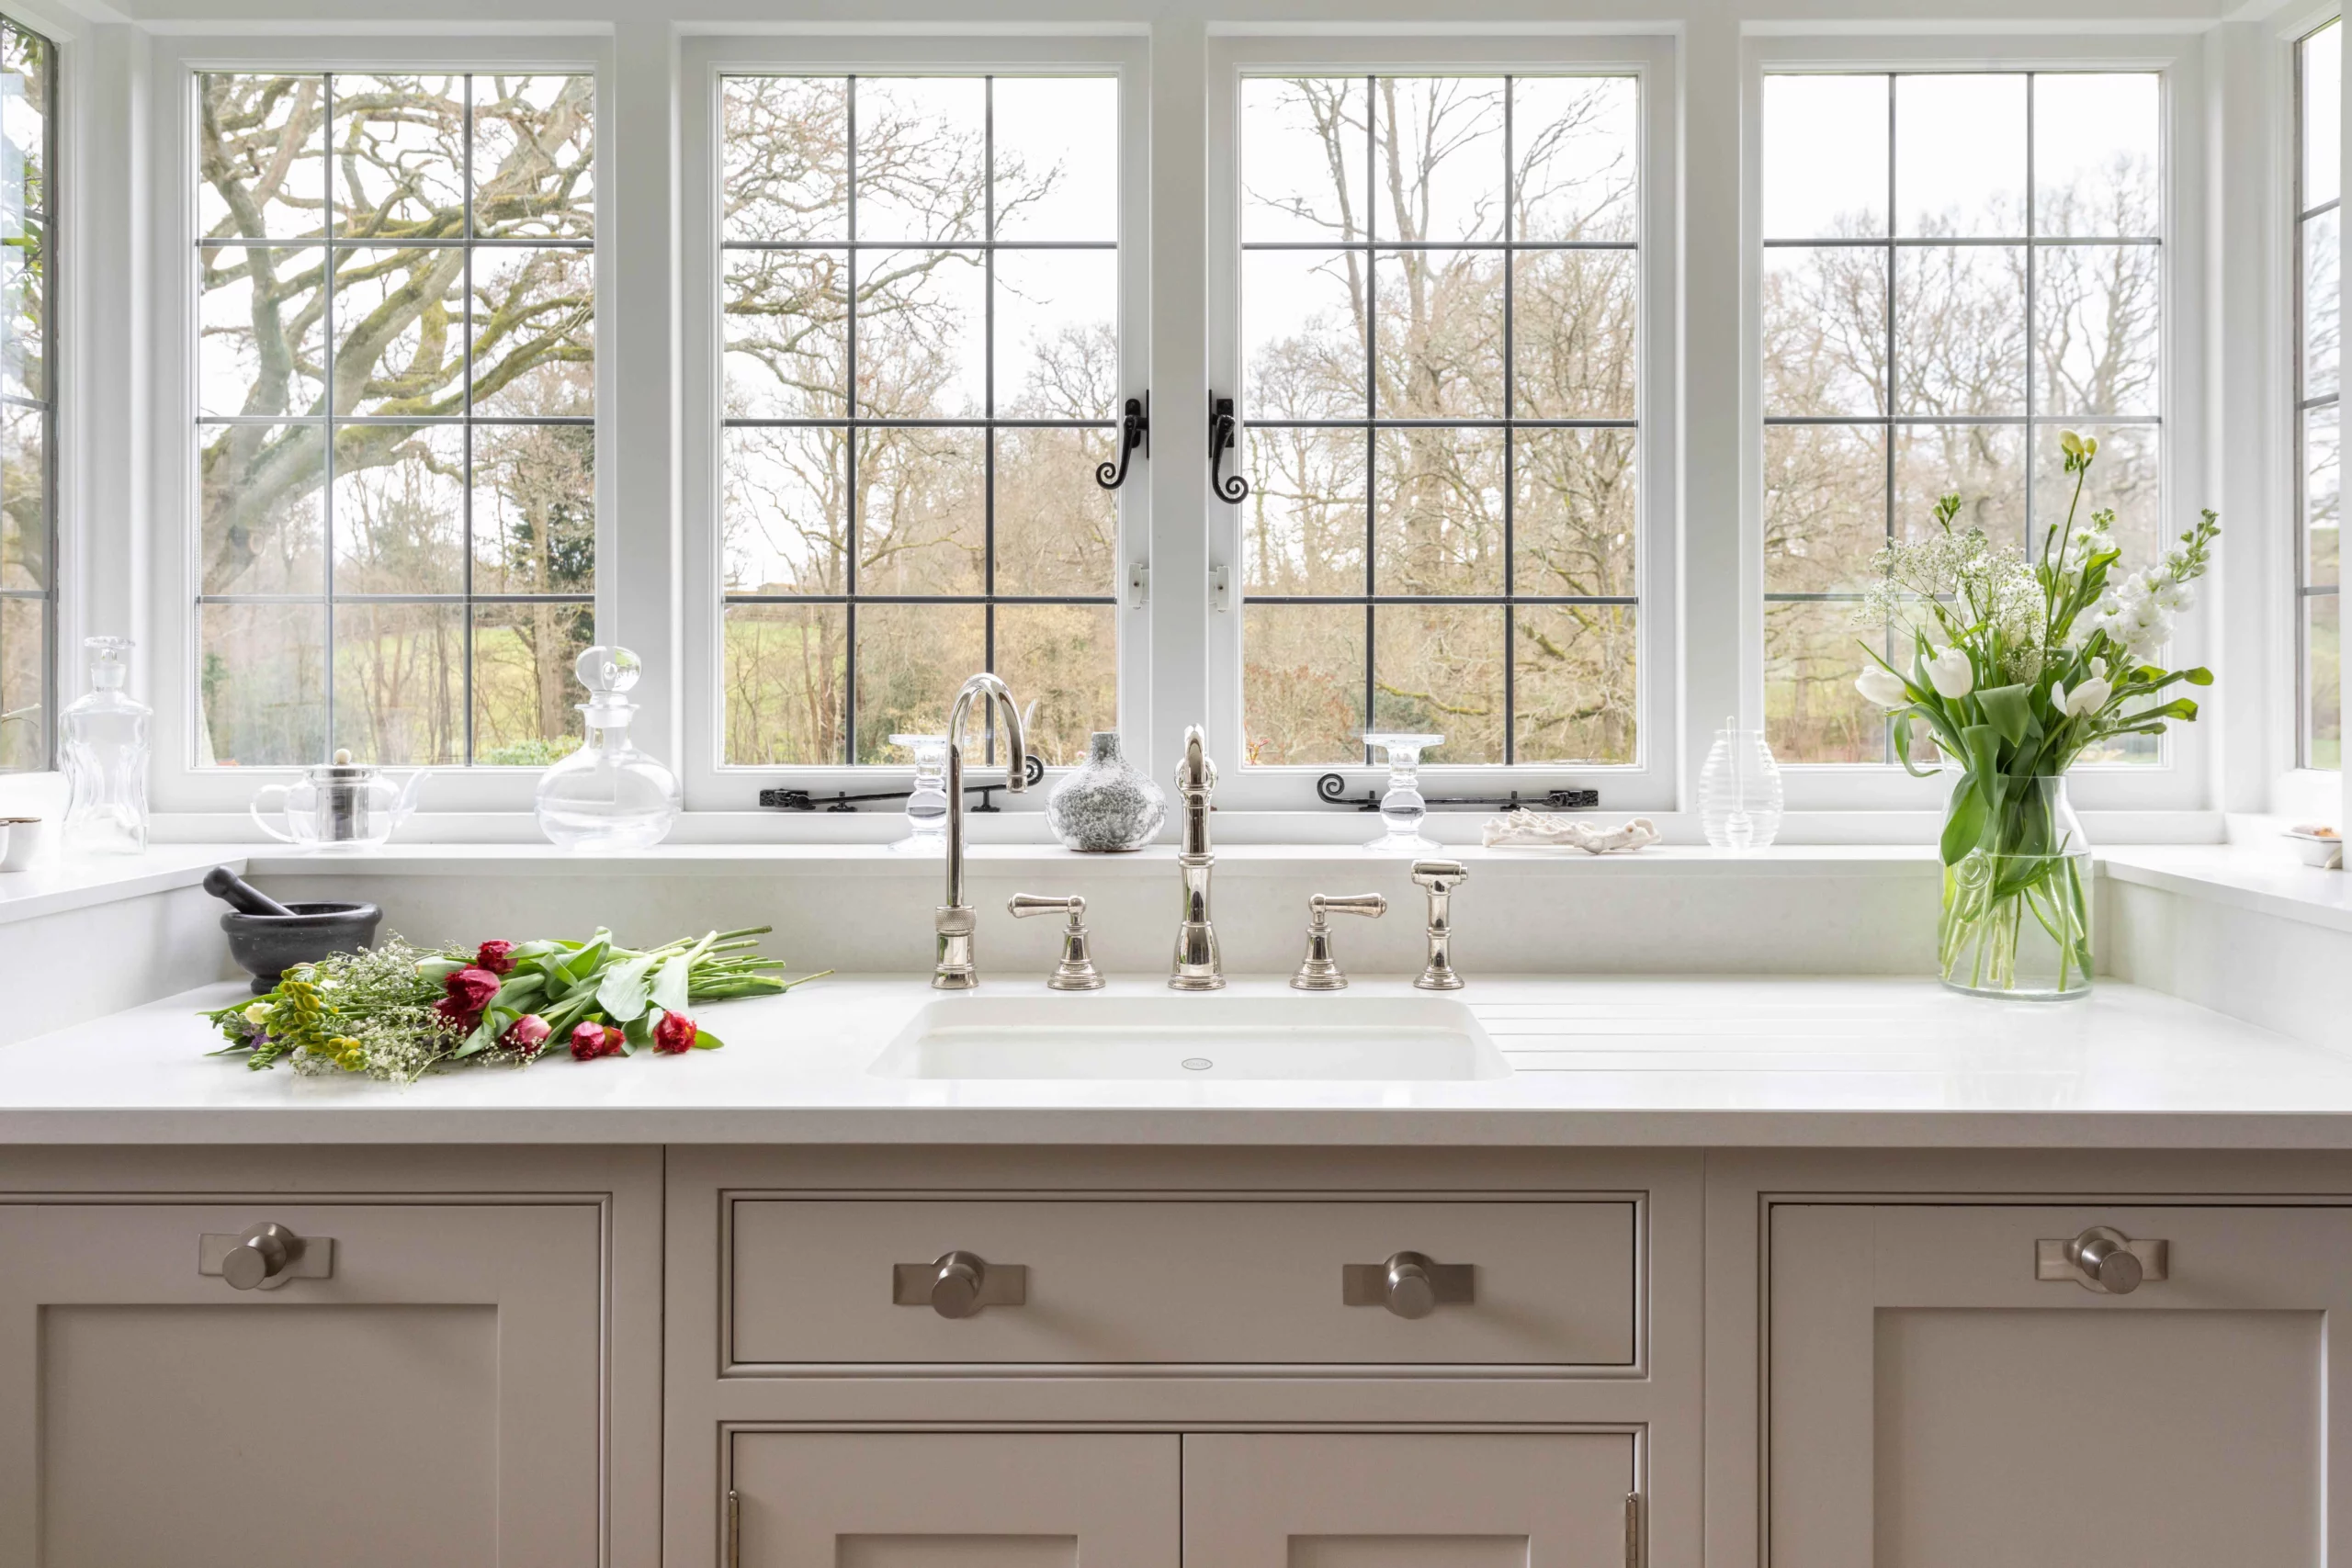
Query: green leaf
x=706, y=1041
x=1963, y=820
x=1903, y=748
x=2200, y=676
x=623, y=992
x=637, y=1035
x=439, y=969
x=515, y=988
x=669, y=991
x=1983, y=744
x=2010, y=709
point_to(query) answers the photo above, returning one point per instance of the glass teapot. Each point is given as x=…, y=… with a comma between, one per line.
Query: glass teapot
x=337, y=805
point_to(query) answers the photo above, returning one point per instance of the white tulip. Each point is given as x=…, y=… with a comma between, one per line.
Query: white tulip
x=2084, y=700
x=1950, y=674
x=1882, y=688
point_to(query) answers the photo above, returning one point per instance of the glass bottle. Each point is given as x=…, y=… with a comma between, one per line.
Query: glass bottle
x=927, y=805
x=102, y=740
x=608, y=795
x=1739, y=790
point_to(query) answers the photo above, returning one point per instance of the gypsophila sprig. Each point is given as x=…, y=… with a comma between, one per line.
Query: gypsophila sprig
x=397, y=1012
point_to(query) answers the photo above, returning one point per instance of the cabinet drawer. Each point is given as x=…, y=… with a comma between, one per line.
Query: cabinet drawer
x=1553, y=1282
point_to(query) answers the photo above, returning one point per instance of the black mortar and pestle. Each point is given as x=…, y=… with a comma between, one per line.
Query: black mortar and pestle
x=268, y=938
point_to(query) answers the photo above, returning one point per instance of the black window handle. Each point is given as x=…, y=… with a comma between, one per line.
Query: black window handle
x=1231, y=488
x=1135, y=430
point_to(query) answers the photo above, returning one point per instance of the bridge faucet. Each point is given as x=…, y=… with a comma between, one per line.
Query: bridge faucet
x=956, y=920
x=1197, y=967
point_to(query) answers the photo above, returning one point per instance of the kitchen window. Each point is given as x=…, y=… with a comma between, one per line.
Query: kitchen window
x=395, y=444
x=2319, y=116
x=1957, y=267
x=27, y=397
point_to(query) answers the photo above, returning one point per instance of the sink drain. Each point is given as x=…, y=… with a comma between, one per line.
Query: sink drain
x=1196, y=1064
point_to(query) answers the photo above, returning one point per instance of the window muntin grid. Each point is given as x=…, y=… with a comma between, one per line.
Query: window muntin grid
x=431, y=401
x=2049, y=247
x=958, y=207
x=27, y=400
x=1596, y=445
x=2319, y=107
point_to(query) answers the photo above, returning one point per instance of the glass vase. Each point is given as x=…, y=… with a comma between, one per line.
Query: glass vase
x=2016, y=903
x=1740, y=798
x=608, y=795
x=102, y=738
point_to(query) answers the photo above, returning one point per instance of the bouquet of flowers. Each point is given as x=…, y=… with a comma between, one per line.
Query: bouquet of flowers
x=2018, y=667
x=397, y=1012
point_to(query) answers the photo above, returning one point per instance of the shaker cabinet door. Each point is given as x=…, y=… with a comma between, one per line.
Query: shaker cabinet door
x=961, y=1500
x=434, y=1398
x=1935, y=1403
x=1380, y=1501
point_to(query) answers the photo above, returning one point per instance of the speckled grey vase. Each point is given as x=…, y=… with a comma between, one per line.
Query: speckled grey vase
x=1108, y=805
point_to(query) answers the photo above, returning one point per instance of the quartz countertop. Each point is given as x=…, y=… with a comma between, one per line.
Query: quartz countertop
x=1717, y=1061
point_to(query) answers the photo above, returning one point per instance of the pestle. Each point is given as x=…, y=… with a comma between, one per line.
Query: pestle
x=239, y=895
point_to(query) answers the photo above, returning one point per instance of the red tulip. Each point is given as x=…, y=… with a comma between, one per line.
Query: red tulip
x=498, y=958
x=590, y=1040
x=527, y=1035
x=674, y=1035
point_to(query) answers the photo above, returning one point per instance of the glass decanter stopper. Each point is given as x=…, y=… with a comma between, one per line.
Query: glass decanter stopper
x=103, y=745
x=1402, y=808
x=927, y=807
x=608, y=795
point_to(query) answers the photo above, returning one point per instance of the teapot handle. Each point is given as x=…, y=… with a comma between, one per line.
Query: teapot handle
x=253, y=809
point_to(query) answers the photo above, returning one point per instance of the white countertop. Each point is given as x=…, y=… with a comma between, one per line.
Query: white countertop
x=1723, y=1062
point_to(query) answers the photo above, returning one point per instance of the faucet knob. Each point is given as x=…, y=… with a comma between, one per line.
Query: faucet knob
x=1320, y=971
x=1075, y=972
x=1440, y=878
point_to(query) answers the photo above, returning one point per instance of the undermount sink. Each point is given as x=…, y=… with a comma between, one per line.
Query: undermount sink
x=1215, y=1036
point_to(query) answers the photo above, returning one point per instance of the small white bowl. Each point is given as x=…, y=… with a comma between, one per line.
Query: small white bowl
x=2324, y=851
x=20, y=842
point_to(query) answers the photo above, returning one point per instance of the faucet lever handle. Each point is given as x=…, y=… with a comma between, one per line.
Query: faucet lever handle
x=1320, y=971
x=1075, y=972
x=1439, y=875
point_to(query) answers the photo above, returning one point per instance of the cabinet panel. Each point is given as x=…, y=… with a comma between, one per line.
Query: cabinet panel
x=1183, y=1282
x=1452, y=1501
x=1934, y=1404
x=967, y=1500
x=153, y=1415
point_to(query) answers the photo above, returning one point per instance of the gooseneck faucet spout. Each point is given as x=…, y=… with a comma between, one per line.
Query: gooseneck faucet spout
x=1197, y=967
x=957, y=920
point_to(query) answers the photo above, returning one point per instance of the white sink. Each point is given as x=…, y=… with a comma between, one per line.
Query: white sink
x=1174, y=1036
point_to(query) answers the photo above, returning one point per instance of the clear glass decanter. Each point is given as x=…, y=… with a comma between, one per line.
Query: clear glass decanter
x=927, y=805
x=102, y=738
x=608, y=795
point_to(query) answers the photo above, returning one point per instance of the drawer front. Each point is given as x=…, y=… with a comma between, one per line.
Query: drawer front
x=1553, y=1282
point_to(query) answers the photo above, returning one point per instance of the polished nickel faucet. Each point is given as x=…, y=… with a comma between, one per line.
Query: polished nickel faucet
x=1197, y=966
x=957, y=920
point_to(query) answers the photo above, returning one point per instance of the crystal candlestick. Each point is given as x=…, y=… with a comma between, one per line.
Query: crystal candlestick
x=1402, y=808
x=927, y=807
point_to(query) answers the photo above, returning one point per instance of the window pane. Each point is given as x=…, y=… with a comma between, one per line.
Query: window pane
x=1825, y=157
x=1063, y=657
x=2322, y=106
x=535, y=171
x=25, y=534
x=784, y=510
x=262, y=348
x=1981, y=464
x=1438, y=513
x=2322, y=498
x=1825, y=332
x=1439, y=326
x=262, y=168
x=1575, y=522
x=1437, y=669
x=399, y=682
x=1303, y=683
x=2096, y=160
x=1056, y=530
x=1303, y=333
x=2125, y=479
x=526, y=696
x=921, y=158
x=1303, y=175
x=1574, y=157
x=910, y=659
x=376, y=497
x=921, y=329
x=2096, y=324
x=1057, y=157
x=24, y=691
x=24, y=312
x=1960, y=330
x=1825, y=507
x=1439, y=141
x=922, y=514
x=1812, y=712
x=399, y=170
x=783, y=141
x=1572, y=334
x=786, y=683
x=1056, y=335
x=2323, y=682
x=27, y=422
x=261, y=684
x=2323, y=244
x=1960, y=155
x=399, y=510
x=1303, y=524
x=1573, y=683
x=787, y=320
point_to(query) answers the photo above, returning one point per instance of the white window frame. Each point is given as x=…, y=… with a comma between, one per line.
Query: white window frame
x=709, y=784
x=2185, y=777
x=175, y=783
x=1651, y=782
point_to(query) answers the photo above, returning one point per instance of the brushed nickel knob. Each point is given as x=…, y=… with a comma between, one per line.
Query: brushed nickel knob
x=1408, y=1284
x=1411, y=1293
x=955, y=1288
x=2109, y=1263
x=959, y=1283
x=260, y=1255
x=2103, y=1259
